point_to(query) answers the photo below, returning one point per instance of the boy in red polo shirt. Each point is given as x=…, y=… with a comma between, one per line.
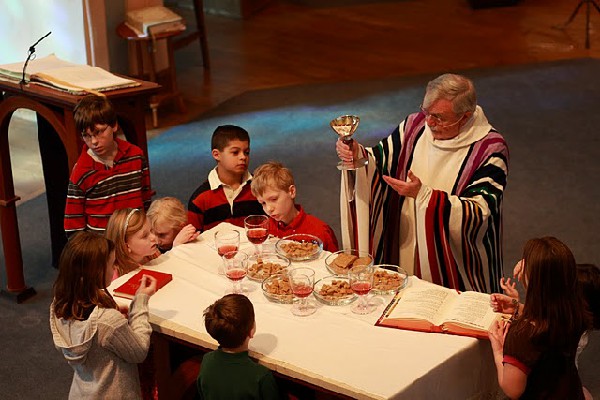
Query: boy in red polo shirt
x=273, y=186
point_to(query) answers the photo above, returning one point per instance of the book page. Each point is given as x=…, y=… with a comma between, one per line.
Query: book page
x=36, y=65
x=15, y=70
x=82, y=76
x=422, y=303
x=472, y=309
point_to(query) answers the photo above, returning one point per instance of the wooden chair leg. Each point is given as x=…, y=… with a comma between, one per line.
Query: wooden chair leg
x=201, y=27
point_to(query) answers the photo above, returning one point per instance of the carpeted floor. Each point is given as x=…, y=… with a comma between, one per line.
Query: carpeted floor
x=546, y=112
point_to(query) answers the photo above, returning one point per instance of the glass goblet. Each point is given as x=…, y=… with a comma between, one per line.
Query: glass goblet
x=345, y=126
x=302, y=282
x=257, y=230
x=227, y=240
x=361, y=283
x=235, y=266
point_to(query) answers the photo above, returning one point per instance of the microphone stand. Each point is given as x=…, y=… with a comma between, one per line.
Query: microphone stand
x=30, y=55
x=587, y=18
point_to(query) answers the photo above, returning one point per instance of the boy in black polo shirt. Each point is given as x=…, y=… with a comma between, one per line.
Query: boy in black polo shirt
x=226, y=194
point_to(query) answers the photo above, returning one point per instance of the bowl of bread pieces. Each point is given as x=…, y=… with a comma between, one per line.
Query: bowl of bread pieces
x=277, y=289
x=388, y=279
x=261, y=266
x=299, y=247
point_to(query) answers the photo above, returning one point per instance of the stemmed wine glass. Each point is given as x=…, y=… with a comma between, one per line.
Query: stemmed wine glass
x=227, y=240
x=235, y=264
x=344, y=126
x=302, y=281
x=361, y=283
x=257, y=230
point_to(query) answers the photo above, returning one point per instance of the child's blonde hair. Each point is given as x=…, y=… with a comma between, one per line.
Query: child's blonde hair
x=271, y=175
x=167, y=211
x=122, y=224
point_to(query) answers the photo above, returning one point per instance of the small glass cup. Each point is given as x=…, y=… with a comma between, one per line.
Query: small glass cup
x=227, y=240
x=361, y=283
x=257, y=230
x=302, y=281
x=235, y=266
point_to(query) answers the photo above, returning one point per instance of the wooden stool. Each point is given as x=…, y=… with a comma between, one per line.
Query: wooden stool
x=147, y=44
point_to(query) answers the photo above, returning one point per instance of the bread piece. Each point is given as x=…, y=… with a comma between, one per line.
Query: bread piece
x=362, y=261
x=344, y=260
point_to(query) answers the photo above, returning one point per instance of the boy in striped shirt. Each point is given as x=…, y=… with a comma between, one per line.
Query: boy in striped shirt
x=110, y=173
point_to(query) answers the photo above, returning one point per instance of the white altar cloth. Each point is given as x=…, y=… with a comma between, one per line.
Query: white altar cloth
x=333, y=348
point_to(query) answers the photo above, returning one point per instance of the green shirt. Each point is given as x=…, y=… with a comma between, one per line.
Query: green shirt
x=234, y=376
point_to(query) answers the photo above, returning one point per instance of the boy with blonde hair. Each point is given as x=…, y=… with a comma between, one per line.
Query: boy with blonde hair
x=230, y=321
x=168, y=218
x=226, y=194
x=273, y=186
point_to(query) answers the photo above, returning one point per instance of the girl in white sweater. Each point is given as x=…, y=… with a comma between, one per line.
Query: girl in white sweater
x=101, y=345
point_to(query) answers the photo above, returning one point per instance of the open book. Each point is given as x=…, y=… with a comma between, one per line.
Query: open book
x=66, y=76
x=128, y=289
x=431, y=308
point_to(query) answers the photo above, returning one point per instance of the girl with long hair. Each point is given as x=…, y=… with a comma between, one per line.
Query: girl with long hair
x=99, y=343
x=135, y=244
x=535, y=354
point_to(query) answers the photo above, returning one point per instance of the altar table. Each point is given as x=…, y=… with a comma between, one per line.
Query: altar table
x=333, y=349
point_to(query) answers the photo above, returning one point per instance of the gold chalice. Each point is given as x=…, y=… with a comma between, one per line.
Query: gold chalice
x=345, y=126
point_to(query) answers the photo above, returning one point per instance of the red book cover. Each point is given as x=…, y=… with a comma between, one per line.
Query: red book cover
x=128, y=289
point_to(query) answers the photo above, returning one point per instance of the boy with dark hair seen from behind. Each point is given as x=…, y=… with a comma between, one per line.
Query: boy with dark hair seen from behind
x=228, y=372
x=110, y=173
x=226, y=194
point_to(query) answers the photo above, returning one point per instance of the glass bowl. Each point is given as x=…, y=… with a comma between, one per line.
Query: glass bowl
x=333, y=283
x=340, y=262
x=261, y=267
x=299, y=247
x=277, y=289
x=389, y=279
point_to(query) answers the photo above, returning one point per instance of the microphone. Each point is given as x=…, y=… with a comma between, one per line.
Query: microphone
x=31, y=51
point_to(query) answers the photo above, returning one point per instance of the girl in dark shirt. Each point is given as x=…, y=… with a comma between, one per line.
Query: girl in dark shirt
x=535, y=354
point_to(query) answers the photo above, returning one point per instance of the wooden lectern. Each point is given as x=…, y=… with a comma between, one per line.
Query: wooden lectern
x=60, y=145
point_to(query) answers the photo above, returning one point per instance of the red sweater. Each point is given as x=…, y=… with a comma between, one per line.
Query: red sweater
x=306, y=223
x=96, y=191
x=207, y=208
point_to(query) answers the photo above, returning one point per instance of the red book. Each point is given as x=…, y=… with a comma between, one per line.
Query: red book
x=128, y=289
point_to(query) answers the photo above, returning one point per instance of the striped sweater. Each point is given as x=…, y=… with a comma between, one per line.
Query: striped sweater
x=208, y=205
x=96, y=191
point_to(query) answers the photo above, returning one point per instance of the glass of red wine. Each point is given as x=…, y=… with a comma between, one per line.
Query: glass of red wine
x=235, y=266
x=361, y=283
x=257, y=230
x=227, y=240
x=302, y=281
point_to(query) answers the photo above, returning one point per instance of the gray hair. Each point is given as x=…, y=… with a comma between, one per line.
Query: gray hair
x=455, y=88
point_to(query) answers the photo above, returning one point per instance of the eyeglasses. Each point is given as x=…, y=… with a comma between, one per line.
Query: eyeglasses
x=439, y=121
x=94, y=134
